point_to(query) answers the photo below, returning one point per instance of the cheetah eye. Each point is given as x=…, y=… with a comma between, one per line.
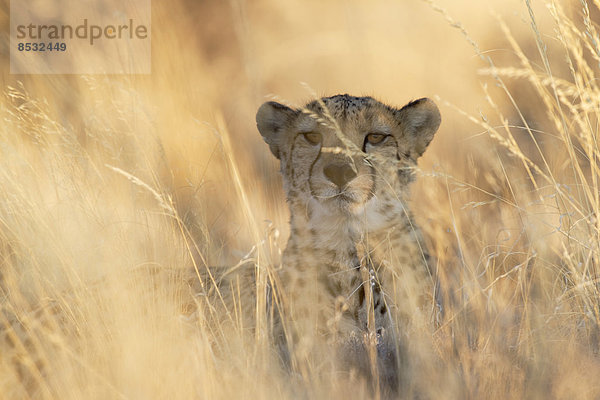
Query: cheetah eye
x=376, y=138
x=313, y=137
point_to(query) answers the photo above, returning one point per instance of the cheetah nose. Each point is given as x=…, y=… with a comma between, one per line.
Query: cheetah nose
x=340, y=174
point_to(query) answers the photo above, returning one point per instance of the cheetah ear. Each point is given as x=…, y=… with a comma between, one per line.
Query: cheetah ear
x=271, y=119
x=420, y=119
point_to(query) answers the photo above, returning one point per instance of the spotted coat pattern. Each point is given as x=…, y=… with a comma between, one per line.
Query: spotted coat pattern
x=355, y=265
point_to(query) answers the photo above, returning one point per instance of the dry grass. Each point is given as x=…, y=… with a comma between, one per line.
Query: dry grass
x=117, y=192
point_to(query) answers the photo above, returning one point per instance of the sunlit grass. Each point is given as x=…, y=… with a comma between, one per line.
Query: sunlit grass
x=117, y=193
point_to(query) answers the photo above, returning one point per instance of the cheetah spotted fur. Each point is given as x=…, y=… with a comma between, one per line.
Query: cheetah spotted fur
x=355, y=266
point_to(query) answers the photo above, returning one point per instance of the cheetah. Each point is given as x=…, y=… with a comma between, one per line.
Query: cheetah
x=355, y=268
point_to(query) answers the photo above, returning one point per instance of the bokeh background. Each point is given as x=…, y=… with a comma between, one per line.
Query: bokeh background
x=114, y=187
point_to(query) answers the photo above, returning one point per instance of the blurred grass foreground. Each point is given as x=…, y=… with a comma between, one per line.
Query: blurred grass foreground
x=117, y=192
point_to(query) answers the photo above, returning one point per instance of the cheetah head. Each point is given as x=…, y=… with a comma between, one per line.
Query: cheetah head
x=347, y=154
